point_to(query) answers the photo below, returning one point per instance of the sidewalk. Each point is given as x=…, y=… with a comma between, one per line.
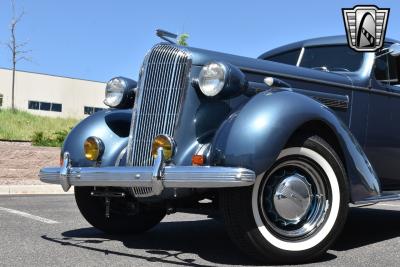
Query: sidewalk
x=44, y=189
x=20, y=164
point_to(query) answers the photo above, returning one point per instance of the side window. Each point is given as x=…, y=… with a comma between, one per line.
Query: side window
x=381, y=69
x=387, y=70
x=332, y=58
x=286, y=57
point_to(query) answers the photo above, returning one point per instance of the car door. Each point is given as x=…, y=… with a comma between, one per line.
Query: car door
x=382, y=144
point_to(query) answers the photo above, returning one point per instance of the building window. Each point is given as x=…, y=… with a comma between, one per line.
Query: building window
x=33, y=105
x=91, y=110
x=56, y=107
x=45, y=106
x=87, y=110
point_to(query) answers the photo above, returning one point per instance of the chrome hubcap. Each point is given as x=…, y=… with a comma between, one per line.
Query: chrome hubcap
x=292, y=198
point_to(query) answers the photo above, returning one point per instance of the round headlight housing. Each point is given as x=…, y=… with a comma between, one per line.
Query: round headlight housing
x=114, y=92
x=212, y=78
x=221, y=79
x=120, y=92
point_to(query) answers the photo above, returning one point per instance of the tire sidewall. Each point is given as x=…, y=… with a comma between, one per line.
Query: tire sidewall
x=318, y=151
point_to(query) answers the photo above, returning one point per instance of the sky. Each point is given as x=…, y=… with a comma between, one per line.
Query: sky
x=99, y=39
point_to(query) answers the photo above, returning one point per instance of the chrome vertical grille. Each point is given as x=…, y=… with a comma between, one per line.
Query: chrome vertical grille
x=161, y=88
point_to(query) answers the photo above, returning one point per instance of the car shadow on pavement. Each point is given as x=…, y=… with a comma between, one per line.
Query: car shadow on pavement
x=170, y=242
x=177, y=242
x=366, y=226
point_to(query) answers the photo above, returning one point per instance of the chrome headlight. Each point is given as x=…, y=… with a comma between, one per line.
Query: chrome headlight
x=120, y=92
x=212, y=78
x=223, y=79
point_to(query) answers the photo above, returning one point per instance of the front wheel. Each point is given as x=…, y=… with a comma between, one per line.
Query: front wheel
x=296, y=210
x=126, y=217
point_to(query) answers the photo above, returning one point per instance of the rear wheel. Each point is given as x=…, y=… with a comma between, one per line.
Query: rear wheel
x=126, y=216
x=296, y=210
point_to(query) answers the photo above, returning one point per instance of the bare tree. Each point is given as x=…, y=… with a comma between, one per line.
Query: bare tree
x=18, y=51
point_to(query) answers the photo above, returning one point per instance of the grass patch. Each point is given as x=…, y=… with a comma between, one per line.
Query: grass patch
x=41, y=130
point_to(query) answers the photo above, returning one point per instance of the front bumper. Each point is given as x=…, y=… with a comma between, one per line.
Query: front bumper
x=152, y=179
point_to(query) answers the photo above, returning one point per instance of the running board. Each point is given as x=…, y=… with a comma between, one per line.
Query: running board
x=385, y=196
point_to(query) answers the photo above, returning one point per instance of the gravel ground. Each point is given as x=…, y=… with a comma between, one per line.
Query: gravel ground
x=20, y=162
x=371, y=238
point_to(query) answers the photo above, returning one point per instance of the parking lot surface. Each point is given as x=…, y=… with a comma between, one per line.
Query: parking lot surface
x=49, y=230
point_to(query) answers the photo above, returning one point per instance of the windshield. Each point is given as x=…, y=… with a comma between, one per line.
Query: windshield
x=332, y=58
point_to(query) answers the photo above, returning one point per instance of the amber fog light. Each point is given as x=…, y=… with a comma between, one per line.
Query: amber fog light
x=93, y=148
x=166, y=142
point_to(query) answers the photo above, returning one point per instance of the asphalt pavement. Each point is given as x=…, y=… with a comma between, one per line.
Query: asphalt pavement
x=49, y=231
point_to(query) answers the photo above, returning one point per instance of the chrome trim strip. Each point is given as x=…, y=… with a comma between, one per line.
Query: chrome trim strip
x=135, y=109
x=174, y=176
x=384, y=197
x=332, y=103
x=312, y=80
x=156, y=177
x=301, y=78
x=120, y=156
x=337, y=101
x=185, y=83
x=300, y=57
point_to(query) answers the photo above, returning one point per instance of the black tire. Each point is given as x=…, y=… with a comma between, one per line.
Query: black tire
x=261, y=235
x=123, y=219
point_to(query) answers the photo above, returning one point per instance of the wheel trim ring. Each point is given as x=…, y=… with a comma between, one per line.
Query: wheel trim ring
x=317, y=217
x=330, y=221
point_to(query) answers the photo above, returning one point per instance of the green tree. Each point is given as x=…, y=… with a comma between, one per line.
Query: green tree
x=182, y=39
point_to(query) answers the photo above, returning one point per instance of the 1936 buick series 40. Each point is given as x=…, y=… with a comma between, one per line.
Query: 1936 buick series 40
x=281, y=145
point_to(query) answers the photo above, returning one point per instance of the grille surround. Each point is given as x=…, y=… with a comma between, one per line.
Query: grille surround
x=162, y=87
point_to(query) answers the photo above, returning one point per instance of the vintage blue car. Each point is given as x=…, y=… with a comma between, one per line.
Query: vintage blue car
x=281, y=145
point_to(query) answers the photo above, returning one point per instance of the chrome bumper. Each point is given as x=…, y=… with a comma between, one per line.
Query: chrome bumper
x=156, y=177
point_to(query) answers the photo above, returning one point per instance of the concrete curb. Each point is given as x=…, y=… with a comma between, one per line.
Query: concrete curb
x=33, y=190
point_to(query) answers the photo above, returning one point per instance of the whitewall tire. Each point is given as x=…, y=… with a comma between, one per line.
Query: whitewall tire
x=294, y=211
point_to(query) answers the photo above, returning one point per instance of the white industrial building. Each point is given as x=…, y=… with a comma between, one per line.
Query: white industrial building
x=51, y=95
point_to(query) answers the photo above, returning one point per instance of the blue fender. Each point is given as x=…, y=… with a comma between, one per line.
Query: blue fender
x=253, y=137
x=111, y=126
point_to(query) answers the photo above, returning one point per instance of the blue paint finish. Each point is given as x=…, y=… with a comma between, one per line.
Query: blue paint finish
x=96, y=125
x=254, y=136
x=251, y=131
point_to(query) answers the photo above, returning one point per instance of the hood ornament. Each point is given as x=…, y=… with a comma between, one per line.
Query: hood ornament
x=167, y=36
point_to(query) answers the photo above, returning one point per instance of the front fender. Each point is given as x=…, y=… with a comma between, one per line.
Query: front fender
x=254, y=136
x=111, y=126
